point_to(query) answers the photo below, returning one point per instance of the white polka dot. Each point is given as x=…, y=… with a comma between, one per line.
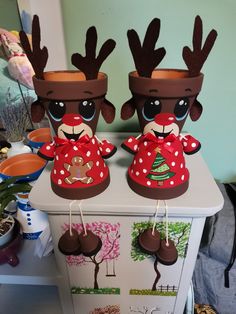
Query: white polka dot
x=130, y=140
x=59, y=181
x=98, y=152
x=176, y=153
x=76, y=118
x=93, y=141
x=182, y=177
x=140, y=160
x=135, y=147
x=137, y=173
x=185, y=144
x=75, y=148
x=132, y=171
x=193, y=145
x=148, y=182
x=48, y=147
x=54, y=171
x=145, y=143
x=171, y=118
x=173, y=163
x=149, y=154
x=88, y=153
x=101, y=174
x=57, y=157
x=171, y=182
x=108, y=150
x=62, y=171
x=66, y=155
x=97, y=163
x=181, y=165
x=134, y=162
x=144, y=170
x=168, y=143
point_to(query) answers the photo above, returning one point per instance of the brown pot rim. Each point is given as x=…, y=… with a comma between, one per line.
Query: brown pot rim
x=166, y=83
x=69, y=85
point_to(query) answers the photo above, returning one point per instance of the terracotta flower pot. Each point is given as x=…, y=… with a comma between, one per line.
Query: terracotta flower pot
x=64, y=91
x=169, y=86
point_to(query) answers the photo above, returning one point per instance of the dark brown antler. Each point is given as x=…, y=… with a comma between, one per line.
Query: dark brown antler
x=196, y=58
x=146, y=58
x=37, y=56
x=89, y=64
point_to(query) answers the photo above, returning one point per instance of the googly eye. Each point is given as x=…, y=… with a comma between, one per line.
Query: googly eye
x=151, y=108
x=181, y=109
x=87, y=109
x=56, y=110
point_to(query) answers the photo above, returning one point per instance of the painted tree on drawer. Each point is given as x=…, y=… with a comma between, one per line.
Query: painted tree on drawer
x=109, y=234
x=178, y=232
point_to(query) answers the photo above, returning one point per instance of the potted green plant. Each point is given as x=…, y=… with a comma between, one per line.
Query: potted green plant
x=8, y=191
x=15, y=119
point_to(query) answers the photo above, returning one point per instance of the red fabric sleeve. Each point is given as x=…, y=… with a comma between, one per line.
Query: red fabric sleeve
x=107, y=149
x=190, y=144
x=47, y=151
x=131, y=145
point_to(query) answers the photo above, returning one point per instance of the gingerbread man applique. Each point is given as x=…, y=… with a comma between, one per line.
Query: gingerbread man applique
x=78, y=171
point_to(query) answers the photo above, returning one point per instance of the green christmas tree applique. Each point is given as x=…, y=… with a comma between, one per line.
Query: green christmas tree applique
x=160, y=170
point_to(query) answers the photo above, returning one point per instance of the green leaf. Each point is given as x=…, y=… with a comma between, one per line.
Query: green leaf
x=5, y=202
x=4, y=184
x=14, y=189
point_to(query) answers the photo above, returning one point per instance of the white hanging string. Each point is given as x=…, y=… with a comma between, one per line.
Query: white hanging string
x=155, y=218
x=167, y=224
x=82, y=218
x=70, y=223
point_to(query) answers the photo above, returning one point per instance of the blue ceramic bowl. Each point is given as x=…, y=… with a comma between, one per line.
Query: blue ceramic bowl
x=28, y=165
x=38, y=137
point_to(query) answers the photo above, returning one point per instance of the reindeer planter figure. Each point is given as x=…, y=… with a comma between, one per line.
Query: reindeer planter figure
x=163, y=99
x=73, y=101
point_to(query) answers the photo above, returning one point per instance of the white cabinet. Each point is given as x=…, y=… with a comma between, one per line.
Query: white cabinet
x=120, y=278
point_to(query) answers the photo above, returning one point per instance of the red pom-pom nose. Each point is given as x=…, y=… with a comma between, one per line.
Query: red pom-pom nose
x=165, y=118
x=72, y=119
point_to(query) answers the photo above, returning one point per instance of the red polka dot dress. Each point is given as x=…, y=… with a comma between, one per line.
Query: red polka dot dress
x=160, y=163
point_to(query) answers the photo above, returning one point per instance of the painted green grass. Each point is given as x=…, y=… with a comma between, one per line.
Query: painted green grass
x=78, y=290
x=151, y=292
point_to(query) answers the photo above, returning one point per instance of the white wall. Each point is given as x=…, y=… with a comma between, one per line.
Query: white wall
x=52, y=30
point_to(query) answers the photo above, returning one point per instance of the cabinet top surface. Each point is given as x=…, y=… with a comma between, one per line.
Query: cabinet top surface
x=203, y=197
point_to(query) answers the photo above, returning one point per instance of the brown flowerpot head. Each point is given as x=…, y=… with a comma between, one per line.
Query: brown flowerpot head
x=163, y=99
x=71, y=101
x=166, y=91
